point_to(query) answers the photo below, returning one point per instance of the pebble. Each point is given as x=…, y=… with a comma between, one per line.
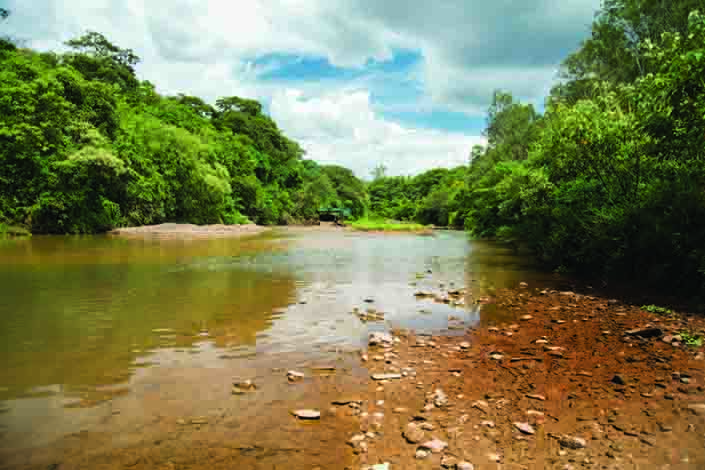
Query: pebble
x=465, y=466
x=464, y=345
x=400, y=410
x=496, y=356
x=525, y=317
x=413, y=433
x=385, y=376
x=525, y=428
x=572, y=442
x=293, y=375
x=536, y=396
x=435, y=445
x=448, y=461
x=307, y=414
x=422, y=454
x=489, y=424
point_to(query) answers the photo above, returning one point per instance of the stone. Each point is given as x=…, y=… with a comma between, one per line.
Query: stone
x=422, y=454
x=496, y=356
x=400, y=410
x=377, y=338
x=618, y=380
x=391, y=376
x=436, y=446
x=645, y=332
x=293, y=375
x=427, y=426
x=489, y=424
x=440, y=399
x=667, y=339
x=242, y=387
x=464, y=345
x=465, y=466
x=481, y=405
x=448, y=461
x=525, y=428
x=523, y=285
x=697, y=409
x=380, y=466
x=307, y=414
x=572, y=442
x=413, y=433
x=525, y=317
x=536, y=396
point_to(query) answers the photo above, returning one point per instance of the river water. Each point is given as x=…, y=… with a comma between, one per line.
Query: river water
x=107, y=335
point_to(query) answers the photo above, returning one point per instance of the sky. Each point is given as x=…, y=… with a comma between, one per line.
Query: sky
x=358, y=83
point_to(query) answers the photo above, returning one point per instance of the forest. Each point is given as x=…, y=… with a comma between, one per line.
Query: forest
x=85, y=146
x=608, y=180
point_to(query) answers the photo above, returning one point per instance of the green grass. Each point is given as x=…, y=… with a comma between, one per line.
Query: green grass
x=369, y=225
x=14, y=231
x=657, y=310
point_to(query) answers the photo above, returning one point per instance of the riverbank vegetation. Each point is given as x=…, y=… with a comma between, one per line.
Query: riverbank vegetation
x=86, y=147
x=366, y=224
x=610, y=180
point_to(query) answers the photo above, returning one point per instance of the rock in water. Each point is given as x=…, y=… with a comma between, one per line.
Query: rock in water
x=413, y=433
x=440, y=399
x=465, y=466
x=242, y=387
x=422, y=454
x=448, y=461
x=307, y=414
x=377, y=338
x=525, y=317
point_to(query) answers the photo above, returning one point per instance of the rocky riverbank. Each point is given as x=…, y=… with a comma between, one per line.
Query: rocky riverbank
x=577, y=382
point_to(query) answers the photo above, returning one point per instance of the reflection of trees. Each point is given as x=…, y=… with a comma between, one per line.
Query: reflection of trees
x=77, y=323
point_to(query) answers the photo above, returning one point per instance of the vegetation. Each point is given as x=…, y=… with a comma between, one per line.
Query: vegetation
x=85, y=147
x=9, y=230
x=657, y=310
x=381, y=225
x=691, y=339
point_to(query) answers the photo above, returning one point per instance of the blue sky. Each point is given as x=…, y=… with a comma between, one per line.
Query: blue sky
x=356, y=82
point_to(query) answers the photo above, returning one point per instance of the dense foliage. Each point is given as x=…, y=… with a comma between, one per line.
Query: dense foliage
x=611, y=179
x=86, y=146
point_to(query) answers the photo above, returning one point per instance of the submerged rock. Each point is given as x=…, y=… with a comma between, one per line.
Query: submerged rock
x=572, y=442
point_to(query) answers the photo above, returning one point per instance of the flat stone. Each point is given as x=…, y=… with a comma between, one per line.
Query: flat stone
x=385, y=376
x=536, y=396
x=525, y=317
x=572, y=442
x=489, y=424
x=307, y=414
x=496, y=356
x=400, y=410
x=464, y=345
x=525, y=428
x=422, y=454
x=667, y=339
x=380, y=466
x=465, y=466
x=435, y=445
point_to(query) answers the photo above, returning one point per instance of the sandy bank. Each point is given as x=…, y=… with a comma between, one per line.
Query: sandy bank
x=172, y=230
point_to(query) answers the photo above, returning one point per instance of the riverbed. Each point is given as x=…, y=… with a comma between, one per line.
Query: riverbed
x=117, y=345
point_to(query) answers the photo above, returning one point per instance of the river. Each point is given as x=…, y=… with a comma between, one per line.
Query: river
x=116, y=339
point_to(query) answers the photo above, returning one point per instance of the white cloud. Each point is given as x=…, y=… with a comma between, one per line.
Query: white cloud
x=342, y=128
x=206, y=47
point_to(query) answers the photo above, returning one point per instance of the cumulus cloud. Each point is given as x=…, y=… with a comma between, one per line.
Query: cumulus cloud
x=209, y=48
x=343, y=128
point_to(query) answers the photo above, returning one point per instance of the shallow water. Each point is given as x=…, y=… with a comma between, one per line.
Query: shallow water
x=164, y=325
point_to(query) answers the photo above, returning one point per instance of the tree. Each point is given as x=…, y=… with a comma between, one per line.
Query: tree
x=378, y=172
